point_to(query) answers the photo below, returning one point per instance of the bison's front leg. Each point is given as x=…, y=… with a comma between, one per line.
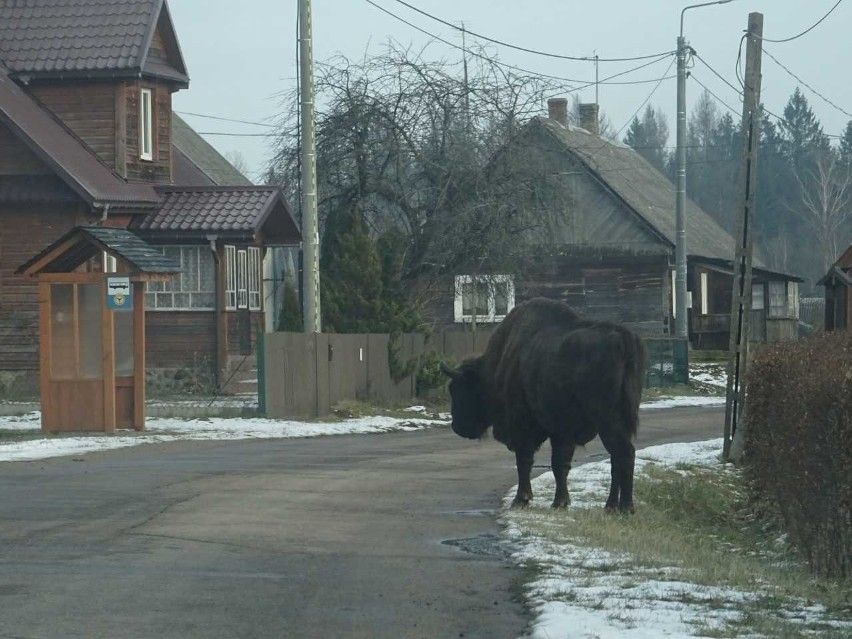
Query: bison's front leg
x=524, y=459
x=562, y=452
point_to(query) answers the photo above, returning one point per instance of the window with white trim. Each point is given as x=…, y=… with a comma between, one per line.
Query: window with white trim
x=705, y=293
x=146, y=124
x=243, y=278
x=109, y=262
x=784, y=299
x=193, y=289
x=483, y=298
x=231, y=284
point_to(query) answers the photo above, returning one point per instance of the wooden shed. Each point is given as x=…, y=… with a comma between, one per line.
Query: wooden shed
x=92, y=328
x=838, y=293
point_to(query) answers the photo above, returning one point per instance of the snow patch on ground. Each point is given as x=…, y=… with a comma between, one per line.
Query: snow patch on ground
x=159, y=430
x=588, y=593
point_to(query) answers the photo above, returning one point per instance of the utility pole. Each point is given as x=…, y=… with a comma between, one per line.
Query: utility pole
x=680, y=193
x=741, y=297
x=310, y=225
x=681, y=326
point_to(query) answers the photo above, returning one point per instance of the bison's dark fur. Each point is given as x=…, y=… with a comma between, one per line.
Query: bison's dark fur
x=547, y=373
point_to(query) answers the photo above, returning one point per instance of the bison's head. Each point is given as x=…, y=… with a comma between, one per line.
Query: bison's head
x=468, y=400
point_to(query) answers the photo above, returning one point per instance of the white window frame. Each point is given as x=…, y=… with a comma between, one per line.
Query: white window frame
x=491, y=280
x=146, y=124
x=704, y=293
x=110, y=263
x=158, y=294
x=244, y=278
x=231, y=278
x=254, y=278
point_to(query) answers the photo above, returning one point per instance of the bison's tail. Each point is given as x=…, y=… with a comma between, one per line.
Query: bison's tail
x=636, y=360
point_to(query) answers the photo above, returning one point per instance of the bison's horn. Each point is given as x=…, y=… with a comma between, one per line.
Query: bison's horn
x=448, y=371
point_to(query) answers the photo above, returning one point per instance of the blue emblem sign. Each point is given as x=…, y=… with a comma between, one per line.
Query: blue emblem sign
x=119, y=294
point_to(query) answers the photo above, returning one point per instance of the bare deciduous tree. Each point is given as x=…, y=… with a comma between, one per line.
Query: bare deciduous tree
x=826, y=200
x=405, y=143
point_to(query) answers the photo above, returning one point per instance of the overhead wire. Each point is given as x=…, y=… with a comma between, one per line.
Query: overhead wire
x=809, y=29
x=808, y=86
x=717, y=98
x=505, y=65
x=223, y=119
x=526, y=49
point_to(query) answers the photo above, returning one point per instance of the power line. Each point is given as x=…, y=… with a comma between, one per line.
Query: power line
x=237, y=135
x=509, y=66
x=525, y=49
x=718, y=99
x=632, y=117
x=216, y=117
x=716, y=73
x=814, y=91
x=810, y=28
x=784, y=120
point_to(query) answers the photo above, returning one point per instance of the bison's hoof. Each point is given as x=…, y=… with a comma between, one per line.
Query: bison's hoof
x=621, y=509
x=560, y=503
x=519, y=502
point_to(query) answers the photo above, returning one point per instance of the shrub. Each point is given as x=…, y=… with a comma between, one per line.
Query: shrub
x=429, y=374
x=799, y=444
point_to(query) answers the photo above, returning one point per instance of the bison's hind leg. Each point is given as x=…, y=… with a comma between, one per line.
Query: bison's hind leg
x=622, y=459
x=562, y=452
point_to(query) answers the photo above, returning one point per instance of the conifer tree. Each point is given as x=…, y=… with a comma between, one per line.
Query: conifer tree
x=290, y=317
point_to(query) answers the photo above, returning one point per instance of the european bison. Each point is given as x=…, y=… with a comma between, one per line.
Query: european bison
x=547, y=373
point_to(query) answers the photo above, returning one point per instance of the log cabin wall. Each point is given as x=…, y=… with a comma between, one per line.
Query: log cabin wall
x=158, y=170
x=88, y=109
x=27, y=230
x=632, y=291
x=180, y=351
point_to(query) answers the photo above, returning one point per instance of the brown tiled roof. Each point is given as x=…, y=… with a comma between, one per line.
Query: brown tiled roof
x=67, y=156
x=234, y=211
x=68, y=37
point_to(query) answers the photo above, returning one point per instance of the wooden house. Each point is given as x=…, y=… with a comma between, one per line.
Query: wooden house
x=88, y=138
x=603, y=232
x=838, y=293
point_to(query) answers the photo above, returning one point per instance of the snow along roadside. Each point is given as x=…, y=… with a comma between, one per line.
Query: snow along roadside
x=159, y=430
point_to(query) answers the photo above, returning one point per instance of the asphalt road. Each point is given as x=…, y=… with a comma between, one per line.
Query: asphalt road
x=366, y=536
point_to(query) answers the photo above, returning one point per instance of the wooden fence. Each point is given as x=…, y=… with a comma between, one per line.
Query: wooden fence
x=305, y=375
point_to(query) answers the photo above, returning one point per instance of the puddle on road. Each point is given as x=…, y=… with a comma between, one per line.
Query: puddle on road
x=487, y=545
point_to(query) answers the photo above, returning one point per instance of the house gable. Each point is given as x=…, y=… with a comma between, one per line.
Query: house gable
x=107, y=39
x=163, y=59
x=568, y=205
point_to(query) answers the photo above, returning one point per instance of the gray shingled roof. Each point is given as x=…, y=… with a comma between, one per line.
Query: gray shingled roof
x=67, y=37
x=235, y=211
x=91, y=240
x=643, y=188
x=205, y=158
x=57, y=147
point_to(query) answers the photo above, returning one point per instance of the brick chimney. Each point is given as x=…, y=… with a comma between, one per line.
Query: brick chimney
x=557, y=110
x=589, y=118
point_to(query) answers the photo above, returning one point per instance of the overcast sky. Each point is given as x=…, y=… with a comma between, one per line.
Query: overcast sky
x=241, y=54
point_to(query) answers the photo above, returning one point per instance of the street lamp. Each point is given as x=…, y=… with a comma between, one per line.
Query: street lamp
x=680, y=197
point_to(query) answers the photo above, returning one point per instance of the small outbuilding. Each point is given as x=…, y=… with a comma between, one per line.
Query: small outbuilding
x=838, y=293
x=92, y=327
